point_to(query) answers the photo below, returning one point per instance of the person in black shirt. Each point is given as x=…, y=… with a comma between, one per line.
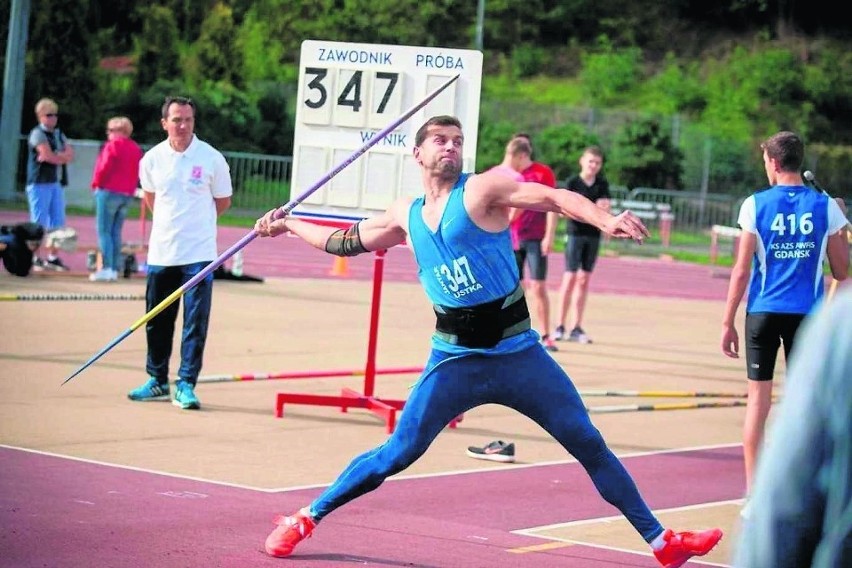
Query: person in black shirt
x=581, y=248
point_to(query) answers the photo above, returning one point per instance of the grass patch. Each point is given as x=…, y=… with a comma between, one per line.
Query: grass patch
x=701, y=258
x=235, y=220
x=542, y=90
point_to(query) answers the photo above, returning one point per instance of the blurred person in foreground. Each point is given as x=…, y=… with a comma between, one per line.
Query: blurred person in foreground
x=114, y=182
x=801, y=502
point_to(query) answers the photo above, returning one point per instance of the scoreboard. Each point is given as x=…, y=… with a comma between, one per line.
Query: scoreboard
x=348, y=93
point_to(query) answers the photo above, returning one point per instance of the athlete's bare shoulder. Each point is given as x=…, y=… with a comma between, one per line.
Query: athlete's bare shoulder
x=486, y=186
x=398, y=211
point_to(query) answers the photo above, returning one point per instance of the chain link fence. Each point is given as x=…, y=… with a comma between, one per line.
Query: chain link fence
x=262, y=182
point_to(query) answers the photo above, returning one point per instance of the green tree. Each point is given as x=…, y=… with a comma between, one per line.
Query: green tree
x=216, y=56
x=276, y=28
x=157, y=48
x=274, y=31
x=61, y=65
x=262, y=57
x=528, y=60
x=509, y=23
x=227, y=117
x=116, y=23
x=273, y=131
x=491, y=143
x=644, y=156
x=828, y=81
x=188, y=16
x=752, y=93
x=610, y=73
x=401, y=22
x=676, y=88
x=559, y=146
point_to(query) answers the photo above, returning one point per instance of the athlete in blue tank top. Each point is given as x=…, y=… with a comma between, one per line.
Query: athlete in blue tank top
x=462, y=265
x=791, y=224
x=483, y=351
x=788, y=231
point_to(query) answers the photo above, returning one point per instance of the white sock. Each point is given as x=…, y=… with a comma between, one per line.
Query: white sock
x=659, y=542
x=308, y=513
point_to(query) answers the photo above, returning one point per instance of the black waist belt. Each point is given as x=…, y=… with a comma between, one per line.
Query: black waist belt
x=484, y=325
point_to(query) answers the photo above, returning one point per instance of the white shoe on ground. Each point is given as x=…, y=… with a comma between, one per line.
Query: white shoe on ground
x=104, y=275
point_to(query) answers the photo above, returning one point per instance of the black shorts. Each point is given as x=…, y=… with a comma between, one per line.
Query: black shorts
x=581, y=252
x=764, y=333
x=529, y=252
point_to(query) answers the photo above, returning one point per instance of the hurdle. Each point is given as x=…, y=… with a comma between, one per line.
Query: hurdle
x=667, y=406
x=721, y=231
x=68, y=297
x=306, y=374
x=384, y=408
x=661, y=394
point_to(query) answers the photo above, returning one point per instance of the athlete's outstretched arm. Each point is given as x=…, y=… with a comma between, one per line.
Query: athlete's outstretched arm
x=501, y=191
x=376, y=233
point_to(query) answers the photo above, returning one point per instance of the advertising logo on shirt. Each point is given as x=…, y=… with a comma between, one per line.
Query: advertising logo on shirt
x=195, y=177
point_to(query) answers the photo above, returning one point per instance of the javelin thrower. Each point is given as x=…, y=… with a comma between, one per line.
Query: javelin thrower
x=483, y=349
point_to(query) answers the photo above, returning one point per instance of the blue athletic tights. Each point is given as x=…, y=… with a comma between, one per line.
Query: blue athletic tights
x=529, y=381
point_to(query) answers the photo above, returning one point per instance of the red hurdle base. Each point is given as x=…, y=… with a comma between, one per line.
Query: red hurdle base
x=384, y=408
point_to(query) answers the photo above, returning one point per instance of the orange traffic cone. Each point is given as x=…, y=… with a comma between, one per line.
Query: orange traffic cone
x=340, y=266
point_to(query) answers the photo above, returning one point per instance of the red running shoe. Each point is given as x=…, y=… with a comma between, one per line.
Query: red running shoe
x=289, y=532
x=682, y=546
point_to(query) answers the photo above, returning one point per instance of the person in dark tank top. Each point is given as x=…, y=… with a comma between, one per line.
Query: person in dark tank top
x=49, y=154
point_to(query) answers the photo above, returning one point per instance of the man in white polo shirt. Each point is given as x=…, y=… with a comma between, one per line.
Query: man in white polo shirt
x=187, y=185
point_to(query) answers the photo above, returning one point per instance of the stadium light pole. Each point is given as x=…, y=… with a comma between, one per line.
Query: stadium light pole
x=480, y=23
x=13, y=96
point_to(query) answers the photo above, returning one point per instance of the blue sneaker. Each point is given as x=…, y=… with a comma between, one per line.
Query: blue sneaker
x=185, y=396
x=151, y=390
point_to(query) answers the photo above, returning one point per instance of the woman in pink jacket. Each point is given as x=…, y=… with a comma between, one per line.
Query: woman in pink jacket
x=114, y=182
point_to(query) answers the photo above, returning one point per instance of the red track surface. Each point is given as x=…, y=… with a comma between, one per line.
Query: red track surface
x=69, y=514
x=290, y=257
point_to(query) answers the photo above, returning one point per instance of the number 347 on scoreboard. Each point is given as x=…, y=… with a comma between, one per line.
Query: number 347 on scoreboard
x=348, y=93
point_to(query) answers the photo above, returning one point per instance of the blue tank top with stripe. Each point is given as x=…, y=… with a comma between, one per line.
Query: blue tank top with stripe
x=462, y=265
x=792, y=234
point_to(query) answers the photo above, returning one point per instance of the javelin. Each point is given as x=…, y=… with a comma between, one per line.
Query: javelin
x=662, y=394
x=279, y=213
x=672, y=406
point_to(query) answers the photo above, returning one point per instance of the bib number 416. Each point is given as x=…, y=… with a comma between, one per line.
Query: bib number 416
x=802, y=225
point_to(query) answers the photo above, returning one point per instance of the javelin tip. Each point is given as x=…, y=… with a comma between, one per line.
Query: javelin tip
x=100, y=354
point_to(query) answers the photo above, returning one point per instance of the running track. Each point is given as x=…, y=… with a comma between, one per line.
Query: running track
x=59, y=512
x=290, y=257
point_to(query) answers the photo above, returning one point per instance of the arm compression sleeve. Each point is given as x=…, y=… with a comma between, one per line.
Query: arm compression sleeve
x=345, y=243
